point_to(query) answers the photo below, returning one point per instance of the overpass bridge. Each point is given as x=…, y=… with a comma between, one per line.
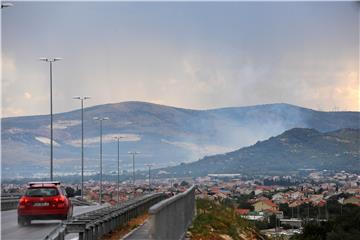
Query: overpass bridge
x=38, y=229
x=169, y=219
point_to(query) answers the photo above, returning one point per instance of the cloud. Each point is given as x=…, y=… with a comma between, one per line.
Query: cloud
x=10, y=111
x=8, y=69
x=253, y=53
x=27, y=95
x=199, y=150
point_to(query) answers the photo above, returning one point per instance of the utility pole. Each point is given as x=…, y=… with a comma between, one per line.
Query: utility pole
x=171, y=182
x=118, y=166
x=82, y=142
x=133, y=159
x=308, y=210
x=100, y=119
x=341, y=207
x=50, y=61
x=326, y=212
x=298, y=211
x=149, y=165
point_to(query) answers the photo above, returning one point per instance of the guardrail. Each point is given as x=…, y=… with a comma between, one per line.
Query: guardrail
x=80, y=202
x=58, y=233
x=11, y=195
x=9, y=203
x=94, y=224
x=170, y=219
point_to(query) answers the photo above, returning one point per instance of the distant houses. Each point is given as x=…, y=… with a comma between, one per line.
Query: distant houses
x=354, y=200
x=265, y=205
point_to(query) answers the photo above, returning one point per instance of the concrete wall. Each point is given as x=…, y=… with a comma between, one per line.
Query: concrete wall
x=94, y=224
x=170, y=218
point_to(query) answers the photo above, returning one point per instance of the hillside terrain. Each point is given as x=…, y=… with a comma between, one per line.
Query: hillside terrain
x=295, y=149
x=215, y=220
x=164, y=135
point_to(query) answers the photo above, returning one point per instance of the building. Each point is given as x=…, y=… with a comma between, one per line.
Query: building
x=263, y=205
x=355, y=200
x=242, y=211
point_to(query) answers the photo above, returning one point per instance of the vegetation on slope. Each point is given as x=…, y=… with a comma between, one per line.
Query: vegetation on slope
x=295, y=149
x=216, y=221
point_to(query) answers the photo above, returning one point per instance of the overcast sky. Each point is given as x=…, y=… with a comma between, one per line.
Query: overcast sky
x=192, y=55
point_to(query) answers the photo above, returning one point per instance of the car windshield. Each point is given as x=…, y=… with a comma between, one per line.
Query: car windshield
x=41, y=192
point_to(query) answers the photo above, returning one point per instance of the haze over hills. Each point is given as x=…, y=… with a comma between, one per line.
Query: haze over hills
x=295, y=149
x=164, y=135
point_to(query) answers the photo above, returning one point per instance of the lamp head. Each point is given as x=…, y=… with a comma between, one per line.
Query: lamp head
x=45, y=59
x=5, y=5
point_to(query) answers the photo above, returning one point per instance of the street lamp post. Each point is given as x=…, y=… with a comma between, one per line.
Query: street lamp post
x=149, y=165
x=82, y=142
x=100, y=119
x=133, y=158
x=118, y=165
x=50, y=61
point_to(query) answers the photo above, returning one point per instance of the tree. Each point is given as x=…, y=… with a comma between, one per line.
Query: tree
x=243, y=201
x=184, y=184
x=342, y=227
x=272, y=221
x=78, y=192
x=70, y=191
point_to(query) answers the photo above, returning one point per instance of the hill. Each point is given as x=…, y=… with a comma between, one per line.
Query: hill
x=165, y=135
x=298, y=148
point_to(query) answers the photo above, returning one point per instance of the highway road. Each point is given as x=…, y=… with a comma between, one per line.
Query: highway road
x=37, y=230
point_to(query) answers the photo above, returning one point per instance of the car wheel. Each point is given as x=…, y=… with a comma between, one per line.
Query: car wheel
x=27, y=221
x=21, y=221
x=70, y=214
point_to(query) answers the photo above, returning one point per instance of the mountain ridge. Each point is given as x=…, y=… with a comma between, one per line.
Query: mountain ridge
x=168, y=135
x=290, y=151
x=179, y=108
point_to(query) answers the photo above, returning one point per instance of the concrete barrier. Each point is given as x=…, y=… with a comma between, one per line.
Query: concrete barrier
x=170, y=218
x=93, y=225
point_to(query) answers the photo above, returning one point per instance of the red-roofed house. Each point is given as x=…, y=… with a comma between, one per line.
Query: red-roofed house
x=321, y=203
x=214, y=190
x=355, y=200
x=264, y=205
x=242, y=211
x=295, y=203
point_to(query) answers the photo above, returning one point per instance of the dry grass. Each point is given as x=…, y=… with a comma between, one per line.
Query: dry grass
x=122, y=231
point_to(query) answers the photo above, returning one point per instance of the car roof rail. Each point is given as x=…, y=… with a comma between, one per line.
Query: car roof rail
x=42, y=183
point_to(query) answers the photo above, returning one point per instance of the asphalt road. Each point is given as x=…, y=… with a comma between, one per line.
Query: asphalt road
x=37, y=230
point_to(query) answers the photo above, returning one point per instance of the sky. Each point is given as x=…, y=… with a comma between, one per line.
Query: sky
x=187, y=54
